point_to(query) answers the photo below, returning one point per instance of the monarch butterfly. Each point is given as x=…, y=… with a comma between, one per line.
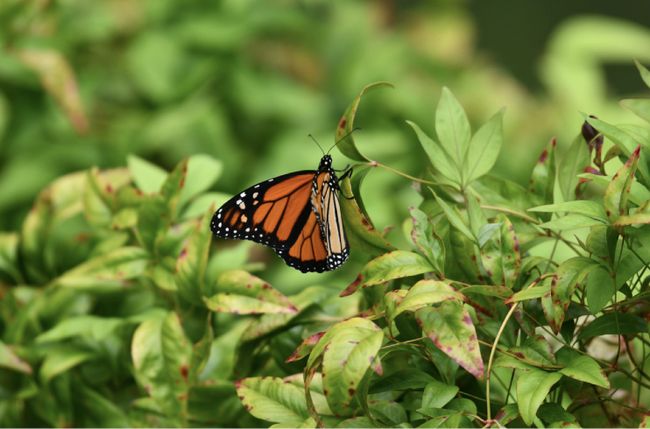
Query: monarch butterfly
x=297, y=214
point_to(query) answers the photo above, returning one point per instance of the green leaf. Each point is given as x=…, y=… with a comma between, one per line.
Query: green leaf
x=616, y=194
x=105, y=273
x=507, y=414
x=360, y=232
x=530, y=293
x=161, y=356
x=437, y=394
x=403, y=379
x=500, y=255
x=426, y=241
x=427, y=292
x=99, y=411
x=271, y=399
x=349, y=353
x=501, y=292
x=89, y=326
x=614, y=324
x=393, y=265
x=452, y=128
x=10, y=360
x=62, y=358
x=451, y=329
x=599, y=289
x=202, y=172
x=582, y=368
x=484, y=148
x=439, y=158
x=644, y=72
x=8, y=256
x=346, y=124
x=575, y=160
x=192, y=262
x=454, y=217
x=148, y=177
x=587, y=208
x=569, y=222
x=627, y=142
x=542, y=179
x=243, y=293
x=640, y=107
x=533, y=387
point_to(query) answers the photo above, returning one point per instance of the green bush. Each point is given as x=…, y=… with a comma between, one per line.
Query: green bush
x=117, y=309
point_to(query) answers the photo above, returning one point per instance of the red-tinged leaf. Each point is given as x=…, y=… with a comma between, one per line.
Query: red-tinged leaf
x=393, y=265
x=425, y=293
x=553, y=310
x=349, y=353
x=99, y=196
x=243, y=293
x=305, y=347
x=161, y=356
x=192, y=262
x=58, y=79
x=616, y=194
x=569, y=274
x=542, y=179
x=507, y=414
x=10, y=360
x=346, y=124
x=450, y=328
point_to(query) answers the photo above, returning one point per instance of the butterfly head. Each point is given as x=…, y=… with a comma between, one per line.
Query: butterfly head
x=325, y=163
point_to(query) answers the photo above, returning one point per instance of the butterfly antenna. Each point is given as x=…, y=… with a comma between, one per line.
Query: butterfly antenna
x=343, y=138
x=317, y=144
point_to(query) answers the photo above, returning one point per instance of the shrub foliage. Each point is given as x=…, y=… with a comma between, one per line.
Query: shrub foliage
x=510, y=306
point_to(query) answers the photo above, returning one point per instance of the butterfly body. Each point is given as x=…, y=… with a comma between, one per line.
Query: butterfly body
x=297, y=214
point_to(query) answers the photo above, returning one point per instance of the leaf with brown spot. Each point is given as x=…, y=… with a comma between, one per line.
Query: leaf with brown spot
x=346, y=124
x=450, y=328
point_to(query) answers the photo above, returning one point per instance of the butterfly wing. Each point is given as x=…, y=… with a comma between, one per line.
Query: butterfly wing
x=297, y=215
x=271, y=212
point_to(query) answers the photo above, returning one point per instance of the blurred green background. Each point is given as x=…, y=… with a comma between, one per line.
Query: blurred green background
x=86, y=83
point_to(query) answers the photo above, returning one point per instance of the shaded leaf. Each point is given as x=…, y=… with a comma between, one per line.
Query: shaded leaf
x=614, y=323
x=427, y=292
x=427, y=242
x=542, y=179
x=192, y=262
x=9, y=359
x=346, y=124
x=616, y=194
x=437, y=394
x=581, y=367
x=575, y=160
x=533, y=387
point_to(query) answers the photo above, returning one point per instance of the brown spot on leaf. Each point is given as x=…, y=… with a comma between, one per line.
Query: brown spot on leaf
x=351, y=391
x=543, y=156
x=184, y=372
x=342, y=123
x=109, y=188
x=352, y=287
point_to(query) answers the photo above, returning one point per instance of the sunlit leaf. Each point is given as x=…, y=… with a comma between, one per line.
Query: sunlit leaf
x=442, y=162
x=582, y=367
x=450, y=328
x=243, y=293
x=452, y=128
x=484, y=148
x=109, y=272
x=9, y=359
x=437, y=394
x=427, y=292
x=426, y=241
x=616, y=194
x=574, y=161
x=393, y=265
x=147, y=176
